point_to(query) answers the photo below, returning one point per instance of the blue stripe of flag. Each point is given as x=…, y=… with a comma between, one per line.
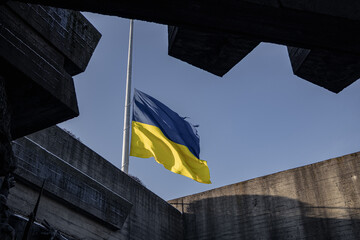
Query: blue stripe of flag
x=150, y=111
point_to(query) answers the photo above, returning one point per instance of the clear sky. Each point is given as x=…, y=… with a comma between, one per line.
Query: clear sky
x=257, y=120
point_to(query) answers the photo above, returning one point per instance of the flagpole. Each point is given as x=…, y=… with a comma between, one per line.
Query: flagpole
x=126, y=134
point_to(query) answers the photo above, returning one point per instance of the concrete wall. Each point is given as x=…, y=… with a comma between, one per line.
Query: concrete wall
x=318, y=201
x=150, y=216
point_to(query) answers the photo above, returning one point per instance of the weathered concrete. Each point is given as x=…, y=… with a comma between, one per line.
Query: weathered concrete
x=324, y=27
x=318, y=201
x=69, y=185
x=68, y=31
x=212, y=52
x=150, y=216
x=37, y=230
x=307, y=24
x=37, y=47
x=329, y=69
x=218, y=53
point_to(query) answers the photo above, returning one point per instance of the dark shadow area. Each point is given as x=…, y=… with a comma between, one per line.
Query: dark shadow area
x=37, y=231
x=266, y=217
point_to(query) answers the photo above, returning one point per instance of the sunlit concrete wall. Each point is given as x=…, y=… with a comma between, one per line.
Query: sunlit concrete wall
x=318, y=201
x=69, y=210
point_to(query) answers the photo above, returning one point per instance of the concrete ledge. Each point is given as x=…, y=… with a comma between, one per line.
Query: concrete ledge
x=212, y=52
x=67, y=184
x=303, y=23
x=329, y=69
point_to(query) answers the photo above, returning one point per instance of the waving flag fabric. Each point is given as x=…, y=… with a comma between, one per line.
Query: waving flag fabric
x=159, y=132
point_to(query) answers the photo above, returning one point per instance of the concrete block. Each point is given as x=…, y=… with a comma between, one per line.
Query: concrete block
x=329, y=69
x=150, y=217
x=40, y=48
x=68, y=31
x=303, y=23
x=40, y=92
x=214, y=52
x=316, y=24
x=69, y=185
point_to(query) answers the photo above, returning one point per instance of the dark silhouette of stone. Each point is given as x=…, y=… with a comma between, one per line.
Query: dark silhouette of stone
x=7, y=161
x=41, y=48
x=7, y=232
x=332, y=70
x=210, y=51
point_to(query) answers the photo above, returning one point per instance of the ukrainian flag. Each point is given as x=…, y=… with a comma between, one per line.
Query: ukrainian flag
x=159, y=132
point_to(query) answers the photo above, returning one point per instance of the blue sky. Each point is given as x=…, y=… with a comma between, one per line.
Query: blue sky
x=256, y=120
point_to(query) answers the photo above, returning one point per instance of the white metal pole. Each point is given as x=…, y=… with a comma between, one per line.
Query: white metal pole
x=126, y=135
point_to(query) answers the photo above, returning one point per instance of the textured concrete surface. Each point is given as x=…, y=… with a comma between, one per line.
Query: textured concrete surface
x=69, y=185
x=327, y=28
x=329, y=69
x=150, y=217
x=37, y=231
x=39, y=50
x=212, y=52
x=301, y=23
x=318, y=201
x=68, y=31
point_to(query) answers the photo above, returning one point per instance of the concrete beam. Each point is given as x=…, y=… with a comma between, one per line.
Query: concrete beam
x=212, y=52
x=329, y=69
x=306, y=24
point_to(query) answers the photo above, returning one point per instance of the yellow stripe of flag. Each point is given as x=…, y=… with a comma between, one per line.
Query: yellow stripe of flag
x=149, y=141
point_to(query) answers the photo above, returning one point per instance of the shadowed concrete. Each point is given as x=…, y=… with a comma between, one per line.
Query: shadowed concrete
x=37, y=230
x=40, y=48
x=67, y=184
x=218, y=53
x=212, y=52
x=216, y=35
x=67, y=31
x=317, y=201
x=86, y=197
x=7, y=162
x=301, y=23
x=329, y=69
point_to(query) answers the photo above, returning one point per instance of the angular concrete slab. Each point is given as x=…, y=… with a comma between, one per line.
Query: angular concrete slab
x=69, y=185
x=68, y=31
x=282, y=22
x=212, y=52
x=78, y=176
x=37, y=65
x=329, y=69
